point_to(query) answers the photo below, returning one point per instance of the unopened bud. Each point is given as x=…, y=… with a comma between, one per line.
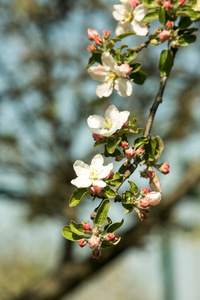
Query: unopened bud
x=111, y=237
x=164, y=35
x=92, y=34
x=127, y=163
x=126, y=123
x=140, y=151
x=181, y=2
x=167, y=5
x=96, y=190
x=150, y=174
x=125, y=68
x=134, y=2
x=164, y=168
x=143, y=216
x=106, y=34
x=96, y=254
x=154, y=42
x=98, y=41
x=97, y=137
x=124, y=144
x=110, y=175
x=130, y=153
x=170, y=24
x=155, y=184
x=145, y=191
x=87, y=227
x=91, y=48
x=82, y=243
x=154, y=198
x=174, y=44
x=144, y=203
x=94, y=242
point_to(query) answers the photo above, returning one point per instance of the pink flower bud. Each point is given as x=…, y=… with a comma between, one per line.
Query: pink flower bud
x=91, y=48
x=96, y=254
x=153, y=198
x=125, y=68
x=170, y=24
x=134, y=2
x=155, y=184
x=94, y=242
x=130, y=153
x=159, y=1
x=124, y=144
x=145, y=191
x=181, y=2
x=87, y=227
x=106, y=34
x=140, y=151
x=164, y=168
x=97, y=137
x=96, y=190
x=110, y=175
x=167, y=4
x=92, y=34
x=126, y=123
x=144, y=203
x=164, y=35
x=111, y=237
x=127, y=163
x=82, y=243
x=98, y=41
x=150, y=174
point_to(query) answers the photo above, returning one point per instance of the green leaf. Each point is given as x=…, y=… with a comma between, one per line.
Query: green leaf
x=118, y=56
x=127, y=199
x=163, y=16
x=135, y=67
x=78, y=196
x=116, y=181
x=125, y=34
x=139, y=142
x=150, y=3
x=130, y=56
x=139, y=77
x=114, y=154
x=110, y=44
x=76, y=228
x=133, y=187
x=112, y=144
x=101, y=215
x=187, y=39
x=187, y=13
x=184, y=23
x=68, y=234
x=96, y=57
x=114, y=226
x=166, y=62
x=159, y=147
x=123, y=169
x=150, y=150
x=150, y=17
x=108, y=192
x=129, y=131
x=106, y=244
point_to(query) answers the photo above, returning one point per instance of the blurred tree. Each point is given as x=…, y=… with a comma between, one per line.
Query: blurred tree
x=41, y=71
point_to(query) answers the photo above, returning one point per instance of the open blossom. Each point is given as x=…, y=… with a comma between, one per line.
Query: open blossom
x=93, y=174
x=111, y=76
x=197, y=6
x=129, y=13
x=112, y=121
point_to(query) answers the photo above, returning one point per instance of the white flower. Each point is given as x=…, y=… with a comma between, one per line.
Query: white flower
x=91, y=175
x=197, y=6
x=110, y=75
x=113, y=121
x=130, y=15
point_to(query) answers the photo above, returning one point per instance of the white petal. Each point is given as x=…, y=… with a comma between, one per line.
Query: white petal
x=81, y=182
x=103, y=131
x=124, y=116
x=99, y=183
x=97, y=162
x=140, y=12
x=106, y=170
x=140, y=28
x=118, y=12
x=81, y=169
x=112, y=113
x=123, y=87
x=104, y=89
x=98, y=73
x=122, y=27
x=95, y=121
x=108, y=61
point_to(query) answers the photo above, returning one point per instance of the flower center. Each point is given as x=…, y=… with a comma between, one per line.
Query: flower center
x=112, y=76
x=94, y=174
x=107, y=123
x=128, y=17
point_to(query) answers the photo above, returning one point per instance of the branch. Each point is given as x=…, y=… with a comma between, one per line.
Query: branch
x=71, y=274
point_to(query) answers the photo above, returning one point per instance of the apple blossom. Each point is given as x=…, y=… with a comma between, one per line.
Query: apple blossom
x=164, y=35
x=129, y=13
x=130, y=153
x=113, y=121
x=197, y=6
x=91, y=175
x=153, y=198
x=94, y=242
x=111, y=76
x=167, y=4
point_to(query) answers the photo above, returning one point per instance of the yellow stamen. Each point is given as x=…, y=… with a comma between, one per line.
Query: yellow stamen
x=107, y=123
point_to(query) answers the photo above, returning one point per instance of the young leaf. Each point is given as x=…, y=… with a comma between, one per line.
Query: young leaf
x=163, y=16
x=101, y=215
x=159, y=147
x=114, y=226
x=112, y=144
x=133, y=187
x=78, y=196
x=186, y=39
x=116, y=181
x=139, y=77
x=150, y=3
x=165, y=62
x=150, y=150
x=130, y=56
x=106, y=244
x=184, y=23
x=96, y=57
x=108, y=192
x=135, y=67
x=76, y=228
x=140, y=142
x=150, y=17
x=68, y=234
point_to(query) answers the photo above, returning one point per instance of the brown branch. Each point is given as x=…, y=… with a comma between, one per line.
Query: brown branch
x=71, y=274
x=141, y=46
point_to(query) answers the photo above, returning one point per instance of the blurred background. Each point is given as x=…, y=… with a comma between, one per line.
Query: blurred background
x=45, y=98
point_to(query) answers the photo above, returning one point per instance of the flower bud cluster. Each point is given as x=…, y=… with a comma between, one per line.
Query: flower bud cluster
x=98, y=40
